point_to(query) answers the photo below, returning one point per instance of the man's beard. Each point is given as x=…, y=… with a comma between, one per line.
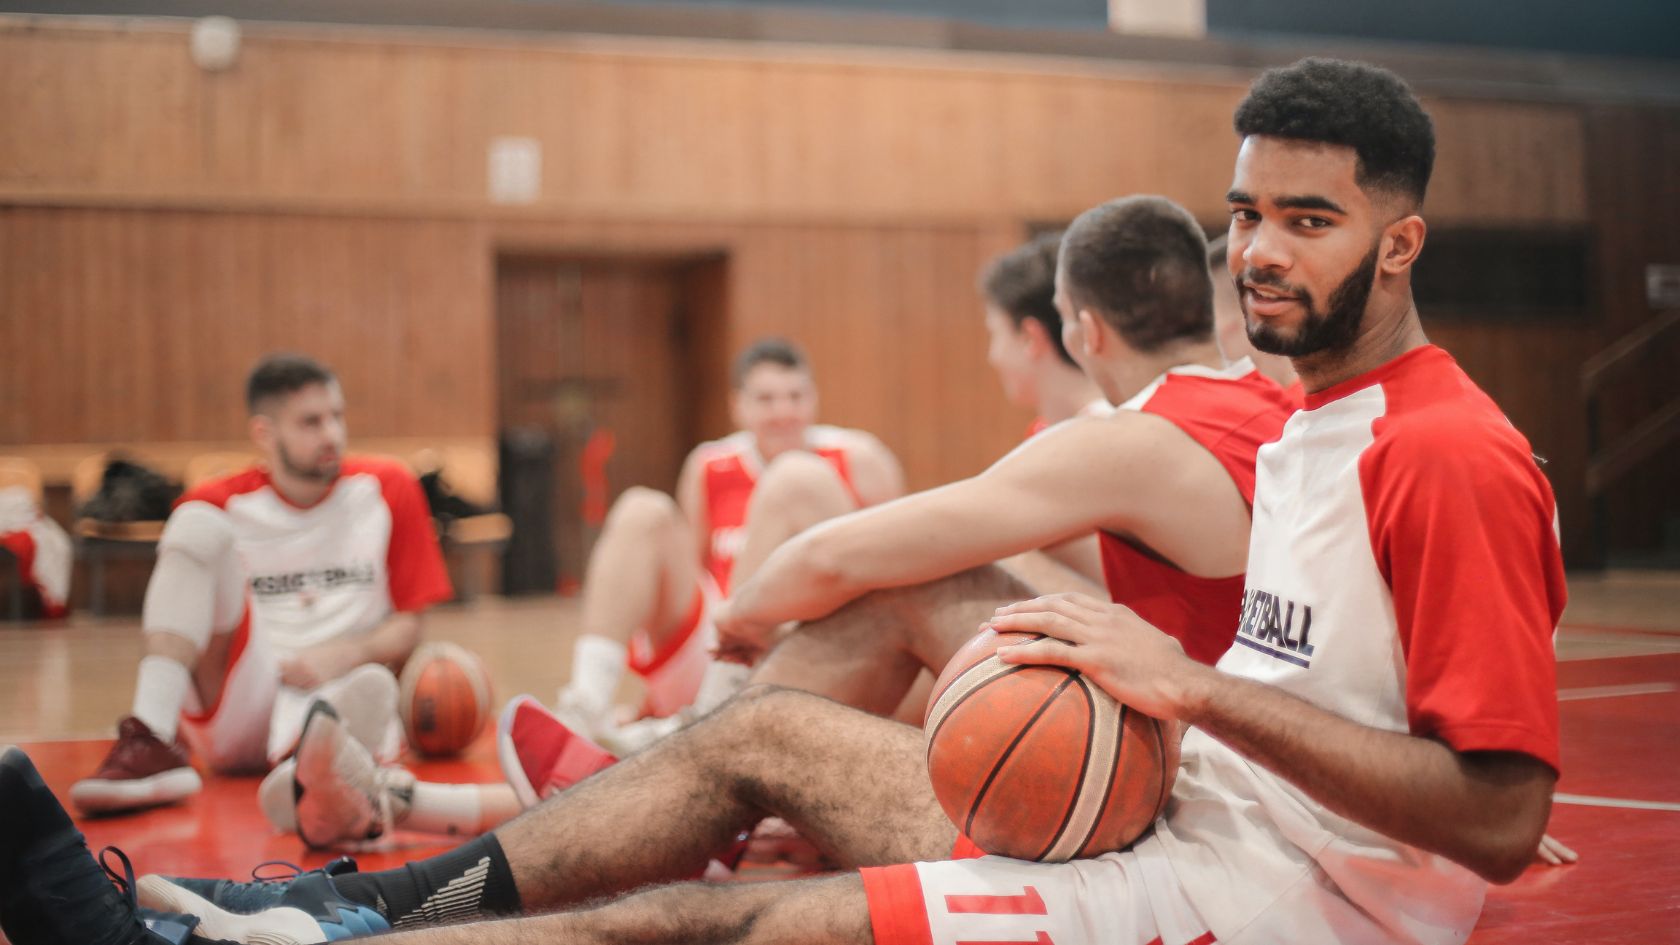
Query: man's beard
x=326, y=472
x=1333, y=329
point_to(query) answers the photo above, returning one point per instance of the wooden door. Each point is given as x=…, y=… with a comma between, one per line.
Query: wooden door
x=592, y=349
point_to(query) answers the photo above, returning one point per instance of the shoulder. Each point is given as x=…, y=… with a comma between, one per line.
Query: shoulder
x=848, y=440
x=725, y=447
x=219, y=490
x=1443, y=437
x=391, y=472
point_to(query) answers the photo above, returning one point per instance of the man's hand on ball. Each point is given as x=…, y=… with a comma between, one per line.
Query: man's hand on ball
x=1130, y=659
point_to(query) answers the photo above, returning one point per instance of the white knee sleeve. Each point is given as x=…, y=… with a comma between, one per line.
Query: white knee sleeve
x=196, y=587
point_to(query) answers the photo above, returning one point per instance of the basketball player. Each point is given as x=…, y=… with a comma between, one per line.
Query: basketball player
x=1024, y=336
x=304, y=577
x=661, y=564
x=1364, y=790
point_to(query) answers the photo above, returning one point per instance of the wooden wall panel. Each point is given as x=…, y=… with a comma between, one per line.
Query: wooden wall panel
x=1634, y=180
x=130, y=326
x=314, y=120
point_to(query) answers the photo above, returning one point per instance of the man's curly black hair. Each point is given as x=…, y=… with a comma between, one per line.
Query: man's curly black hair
x=1352, y=104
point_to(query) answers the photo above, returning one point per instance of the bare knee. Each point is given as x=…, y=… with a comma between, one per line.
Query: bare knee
x=640, y=510
x=802, y=479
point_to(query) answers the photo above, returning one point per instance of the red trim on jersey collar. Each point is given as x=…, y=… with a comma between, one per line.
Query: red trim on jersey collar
x=1378, y=374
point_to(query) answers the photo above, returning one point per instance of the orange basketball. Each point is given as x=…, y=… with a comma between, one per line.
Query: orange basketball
x=1039, y=763
x=445, y=698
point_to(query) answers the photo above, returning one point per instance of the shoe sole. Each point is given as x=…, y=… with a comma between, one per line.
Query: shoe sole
x=103, y=796
x=281, y=925
x=507, y=754
x=366, y=701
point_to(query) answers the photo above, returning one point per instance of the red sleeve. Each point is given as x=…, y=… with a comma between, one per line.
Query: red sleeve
x=415, y=564
x=1461, y=525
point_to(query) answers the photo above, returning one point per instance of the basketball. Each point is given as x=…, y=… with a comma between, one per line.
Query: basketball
x=444, y=698
x=1039, y=763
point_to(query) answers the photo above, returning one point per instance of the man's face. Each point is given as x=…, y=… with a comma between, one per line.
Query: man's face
x=307, y=432
x=1009, y=351
x=1302, y=246
x=776, y=405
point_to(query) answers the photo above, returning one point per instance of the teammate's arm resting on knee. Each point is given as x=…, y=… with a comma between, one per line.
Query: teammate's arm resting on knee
x=389, y=644
x=1066, y=482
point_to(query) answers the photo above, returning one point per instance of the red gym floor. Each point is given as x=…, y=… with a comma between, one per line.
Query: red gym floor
x=1618, y=801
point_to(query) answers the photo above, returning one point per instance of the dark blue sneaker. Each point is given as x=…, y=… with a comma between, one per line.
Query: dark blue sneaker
x=263, y=892
x=52, y=892
x=306, y=908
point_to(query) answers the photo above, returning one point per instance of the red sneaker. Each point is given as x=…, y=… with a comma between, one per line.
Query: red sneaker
x=540, y=754
x=139, y=771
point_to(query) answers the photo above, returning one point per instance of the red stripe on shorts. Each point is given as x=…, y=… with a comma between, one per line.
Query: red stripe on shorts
x=897, y=909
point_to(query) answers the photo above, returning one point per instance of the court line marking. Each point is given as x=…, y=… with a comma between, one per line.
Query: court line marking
x=1587, y=800
x=1605, y=692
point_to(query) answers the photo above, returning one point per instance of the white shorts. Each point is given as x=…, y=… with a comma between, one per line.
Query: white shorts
x=1126, y=898
x=256, y=721
x=671, y=674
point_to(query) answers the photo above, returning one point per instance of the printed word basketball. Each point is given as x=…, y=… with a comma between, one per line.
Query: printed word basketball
x=445, y=698
x=1039, y=763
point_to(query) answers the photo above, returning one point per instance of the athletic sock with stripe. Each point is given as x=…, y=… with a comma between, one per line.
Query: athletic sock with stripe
x=472, y=881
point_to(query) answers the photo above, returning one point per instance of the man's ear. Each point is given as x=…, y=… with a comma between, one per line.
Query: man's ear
x=261, y=428
x=1037, y=337
x=1402, y=241
x=1093, y=332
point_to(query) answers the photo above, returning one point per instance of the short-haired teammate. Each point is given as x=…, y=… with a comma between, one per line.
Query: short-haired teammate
x=1360, y=779
x=661, y=564
x=1024, y=336
x=305, y=576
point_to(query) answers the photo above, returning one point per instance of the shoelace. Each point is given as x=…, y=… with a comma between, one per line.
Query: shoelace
x=125, y=879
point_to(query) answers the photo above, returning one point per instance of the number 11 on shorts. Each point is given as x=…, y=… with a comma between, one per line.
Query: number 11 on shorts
x=1028, y=902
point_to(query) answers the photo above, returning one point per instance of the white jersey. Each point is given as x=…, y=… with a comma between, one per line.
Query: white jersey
x=1403, y=573
x=337, y=568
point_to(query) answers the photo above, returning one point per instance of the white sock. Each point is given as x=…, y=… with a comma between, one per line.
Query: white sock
x=453, y=809
x=597, y=666
x=159, y=691
x=721, y=681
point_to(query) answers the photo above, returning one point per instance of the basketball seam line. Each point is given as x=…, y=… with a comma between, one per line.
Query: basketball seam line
x=1084, y=764
x=980, y=797
x=952, y=708
x=1113, y=772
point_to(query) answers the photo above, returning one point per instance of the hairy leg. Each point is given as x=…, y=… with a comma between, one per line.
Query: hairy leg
x=830, y=910
x=869, y=653
x=853, y=784
x=642, y=573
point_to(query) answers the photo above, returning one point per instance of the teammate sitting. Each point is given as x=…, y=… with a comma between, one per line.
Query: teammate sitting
x=885, y=593
x=1024, y=336
x=302, y=578
x=661, y=565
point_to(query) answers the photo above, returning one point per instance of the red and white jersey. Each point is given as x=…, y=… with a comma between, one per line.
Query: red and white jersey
x=1403, y=573
x=729, y=471
x=42, y=549
x=337, y=568
x=1230, y=413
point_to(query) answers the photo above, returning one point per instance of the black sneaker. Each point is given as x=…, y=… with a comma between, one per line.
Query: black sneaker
x=52, y=892
x=304, y=908
x=263, y=892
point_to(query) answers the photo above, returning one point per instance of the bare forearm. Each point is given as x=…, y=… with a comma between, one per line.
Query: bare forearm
x=1484, y=811
x=390, y=643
